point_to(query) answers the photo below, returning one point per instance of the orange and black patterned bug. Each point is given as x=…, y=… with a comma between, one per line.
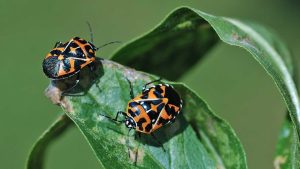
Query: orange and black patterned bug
x=68, y=59
x=155, y=107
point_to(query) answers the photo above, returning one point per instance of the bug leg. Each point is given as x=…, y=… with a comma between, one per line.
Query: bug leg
x=131, y=89
x=119, y=112
x=66, y=92
x=57, y=44
x=145, y=86
x=158, y=142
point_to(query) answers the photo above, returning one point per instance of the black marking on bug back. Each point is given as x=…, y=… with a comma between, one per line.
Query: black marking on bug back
x=172, y=96
x=132, y=114
x=78, y=51
x=158, y=91
x=82, y=41
x=171, y=111
x=93, y=46
x=66, y=65
x=148, y=127
x=160, y=107
x=156, y=102
x=51, y=67
x=87, y=49
x=140, y=123
x=153, y=115
x=145, y=95
x=78, y=63
x=162, y=121
x=146, y=105
x=134, y=106
x=55, y=52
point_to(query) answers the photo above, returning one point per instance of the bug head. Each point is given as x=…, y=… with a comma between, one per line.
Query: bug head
x=130, y=123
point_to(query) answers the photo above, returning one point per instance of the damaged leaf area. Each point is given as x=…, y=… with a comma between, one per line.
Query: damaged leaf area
x=186, y=145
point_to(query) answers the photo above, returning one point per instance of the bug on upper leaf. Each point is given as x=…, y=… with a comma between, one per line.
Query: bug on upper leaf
x=68, y=59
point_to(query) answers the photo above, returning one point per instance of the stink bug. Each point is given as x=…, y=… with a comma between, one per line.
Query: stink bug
x=155, y=107
x=68, y=59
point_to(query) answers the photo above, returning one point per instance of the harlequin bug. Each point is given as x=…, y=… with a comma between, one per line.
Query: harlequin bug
x=155, y=107
x=67, y=59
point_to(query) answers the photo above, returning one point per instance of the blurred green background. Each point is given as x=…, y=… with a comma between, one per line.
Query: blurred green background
x=229, y=79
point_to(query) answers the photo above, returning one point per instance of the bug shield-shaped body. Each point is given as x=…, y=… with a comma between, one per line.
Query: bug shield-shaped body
x=67, y=59
x=154, y=108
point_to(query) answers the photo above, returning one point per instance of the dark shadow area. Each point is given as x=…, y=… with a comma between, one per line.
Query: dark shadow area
x=181, y=44
x=165, y=133
x=88, y=76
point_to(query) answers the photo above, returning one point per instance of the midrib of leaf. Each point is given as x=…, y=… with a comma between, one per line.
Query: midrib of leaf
x=293, y=94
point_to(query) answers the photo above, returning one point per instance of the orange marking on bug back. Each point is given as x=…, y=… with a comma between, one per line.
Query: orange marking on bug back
x=88, y=61
x=72, y=65
x=73, y=50
x=176, y=108
x=162, y=114
x=49, y=54
x=82, y=46
x=151, y=94
x=61, y=57
x=164, y=90
x=61, y=71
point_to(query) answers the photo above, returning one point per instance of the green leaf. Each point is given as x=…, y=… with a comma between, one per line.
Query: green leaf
x=37, y=153
x=216, y=134
x=172, y=48
x=287, y=149
x=270, y=52
x=267, y=49
x=208, y=143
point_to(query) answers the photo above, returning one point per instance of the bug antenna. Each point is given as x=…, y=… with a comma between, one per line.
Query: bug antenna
x=110, y=118
x=108, y=44
x=91, y=31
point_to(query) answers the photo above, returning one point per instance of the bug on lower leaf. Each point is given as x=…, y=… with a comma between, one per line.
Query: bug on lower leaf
x=154, y=108
x=157, y=106
x=68, y=59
